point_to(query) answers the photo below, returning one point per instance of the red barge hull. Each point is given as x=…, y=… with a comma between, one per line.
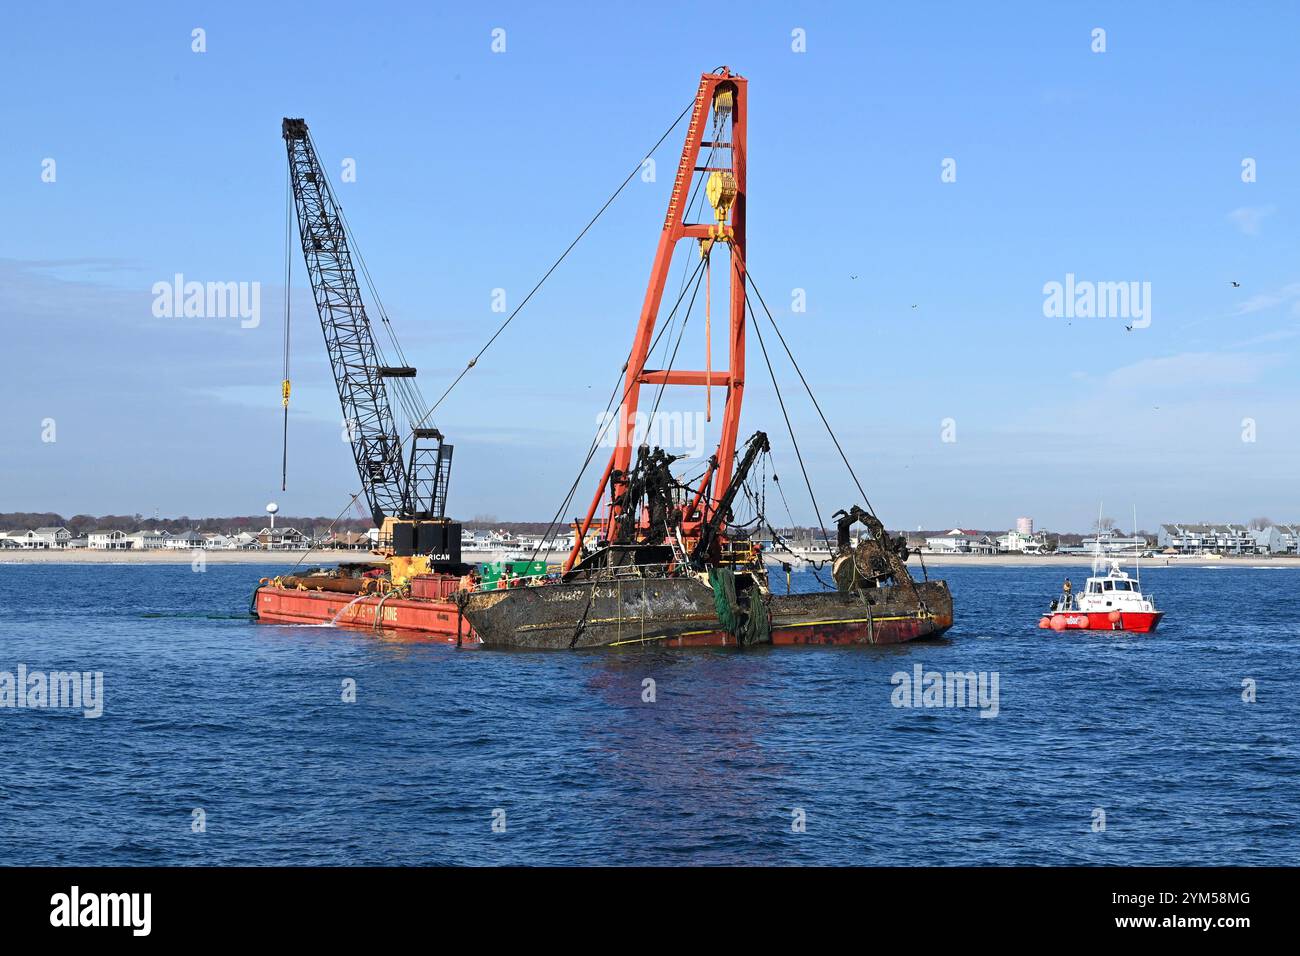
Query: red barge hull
x=442, y=620
x=821, y=634
x=1138, y=622
x=430, y=619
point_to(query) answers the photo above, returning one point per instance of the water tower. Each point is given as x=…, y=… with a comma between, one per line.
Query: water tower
x=271, y=509
x=1025, y=526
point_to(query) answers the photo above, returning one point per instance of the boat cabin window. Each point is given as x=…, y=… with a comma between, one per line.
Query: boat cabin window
x=1094, y=587
x=1108, y=585
x=1123, y=586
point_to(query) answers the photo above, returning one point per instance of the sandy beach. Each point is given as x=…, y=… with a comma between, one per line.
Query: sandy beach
x=289, y=558
x=173, y=556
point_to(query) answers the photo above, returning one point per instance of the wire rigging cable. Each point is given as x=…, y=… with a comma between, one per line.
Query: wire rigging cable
x=807, y=388
x=595, y=442
x=288, y=271
x=788, y=427
x=502, y=327
x=830, y=431
x=418, y=417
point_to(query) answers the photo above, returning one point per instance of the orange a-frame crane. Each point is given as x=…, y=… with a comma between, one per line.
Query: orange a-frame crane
x=722, y=94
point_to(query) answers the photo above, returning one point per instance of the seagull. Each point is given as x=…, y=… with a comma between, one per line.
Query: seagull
x=1127, y=328
x=852, y=277
x=916, y=306
x=1236, y=284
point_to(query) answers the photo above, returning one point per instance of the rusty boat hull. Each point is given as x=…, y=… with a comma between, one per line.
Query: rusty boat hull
x=680, y=612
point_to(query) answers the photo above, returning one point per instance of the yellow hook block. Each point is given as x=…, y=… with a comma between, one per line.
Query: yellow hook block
x=721, y=191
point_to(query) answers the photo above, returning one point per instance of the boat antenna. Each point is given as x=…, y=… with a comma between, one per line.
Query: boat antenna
x=1097, y=561
x=1137, y=550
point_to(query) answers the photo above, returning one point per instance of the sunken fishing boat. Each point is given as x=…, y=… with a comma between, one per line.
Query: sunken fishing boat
x=664, y=559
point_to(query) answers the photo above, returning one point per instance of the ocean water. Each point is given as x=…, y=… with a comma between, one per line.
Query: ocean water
x=204, y=710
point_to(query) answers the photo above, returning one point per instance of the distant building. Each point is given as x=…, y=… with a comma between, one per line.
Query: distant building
x=1025, y=526
x=282, y=539
x=1278, y=539
x=1207, y=539
x=1108, y=542
x=29, y=540
x=185, y=539
x=148, y=540
x=108, y=541
x=961, y=541
x=56, y=537
x=1021, y=541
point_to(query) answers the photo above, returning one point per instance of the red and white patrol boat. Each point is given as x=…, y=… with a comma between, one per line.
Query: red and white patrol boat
x=1110, y=602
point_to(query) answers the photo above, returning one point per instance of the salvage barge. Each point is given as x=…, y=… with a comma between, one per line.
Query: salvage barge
x=672, y=562
x=660, y=557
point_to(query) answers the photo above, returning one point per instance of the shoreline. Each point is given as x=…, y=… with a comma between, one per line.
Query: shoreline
x=289, y=558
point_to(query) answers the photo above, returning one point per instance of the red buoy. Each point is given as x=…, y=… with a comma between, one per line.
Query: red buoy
x=1058, y=622
x=1043, y=623
x=1084, y=622
x=1114, y=617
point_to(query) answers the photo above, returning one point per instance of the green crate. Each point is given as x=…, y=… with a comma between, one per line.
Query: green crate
x=491, y=573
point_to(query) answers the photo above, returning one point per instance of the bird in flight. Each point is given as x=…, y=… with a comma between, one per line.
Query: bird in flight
x=1128, y=328
x=1236, y=284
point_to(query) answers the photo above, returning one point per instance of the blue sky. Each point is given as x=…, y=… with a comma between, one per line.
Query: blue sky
x=475, y=169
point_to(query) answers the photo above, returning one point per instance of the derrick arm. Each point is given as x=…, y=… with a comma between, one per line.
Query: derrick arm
x=722, y=514
x=722, y=94
x=376, y=446
x=394, y=487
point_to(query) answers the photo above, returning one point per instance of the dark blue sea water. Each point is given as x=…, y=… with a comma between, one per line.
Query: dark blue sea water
x=206, y=710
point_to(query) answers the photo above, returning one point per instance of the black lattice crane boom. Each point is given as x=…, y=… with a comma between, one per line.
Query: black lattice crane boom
x=397, y=488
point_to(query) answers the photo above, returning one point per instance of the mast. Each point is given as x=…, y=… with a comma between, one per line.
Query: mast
x=1137, y=549
x=723, y=96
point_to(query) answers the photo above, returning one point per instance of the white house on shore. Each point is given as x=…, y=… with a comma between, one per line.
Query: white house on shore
x=108, y=541
x=961, y=541
x=186, y=540
x=148, y=540
x=282, y=539
x=57, y=537
x=28, y=540
x=1022, y=542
